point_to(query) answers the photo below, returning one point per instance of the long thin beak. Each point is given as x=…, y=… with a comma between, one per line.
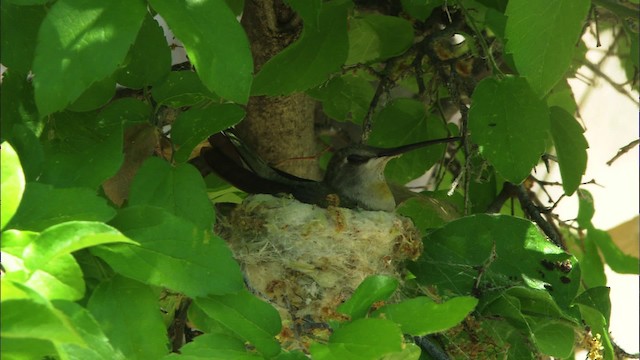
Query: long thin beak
x=404, y=148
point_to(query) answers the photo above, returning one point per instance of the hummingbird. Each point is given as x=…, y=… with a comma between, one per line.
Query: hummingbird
x=354, y=177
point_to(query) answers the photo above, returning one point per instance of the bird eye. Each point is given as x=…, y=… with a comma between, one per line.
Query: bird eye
x=357, y=159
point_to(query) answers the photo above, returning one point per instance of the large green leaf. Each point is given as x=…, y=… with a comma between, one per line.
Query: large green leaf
x=57, y=278
x=13, y=183
x=422, y=316
x=599, y=328
x=97, y=95
x=128, y=313
x=148, y=60
x=195, y=125
x=173, y=253
x=214, y=347
x=97, y=344
x=571, y=148
x=377, y=37
x=215, y=42
x=28, y=319
x=502, y=251
x=85, y=149
x=553, y=337
x=617, y=260
x=43, y=206
x=308, y=62
x=345, y=98
x=180, y=190
x=591, y=264
x=405, y=121
x=65, y=238
x=360, y=340
x=20, y=125
x=420, y=9
x=374, y=288
x=510, y=124
x=18, y=32
x=597, y=298
x=81, y=42
x=246, y=316
x=181, y=88
x=542, y=35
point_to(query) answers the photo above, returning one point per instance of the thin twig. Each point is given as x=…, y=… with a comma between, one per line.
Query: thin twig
x=382, y=85
x=623, y=150
x=618, y=87
x=533, y=213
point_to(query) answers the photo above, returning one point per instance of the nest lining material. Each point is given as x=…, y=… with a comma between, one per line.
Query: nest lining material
x=307, y=260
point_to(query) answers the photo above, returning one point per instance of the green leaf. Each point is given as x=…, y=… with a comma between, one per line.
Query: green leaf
x=420, y=9
x=115, y=304
x=541, y=36
x=246, y=316
x=510, y=125
x=406, y=121
x=428, y=210
x=360, y=340
x=562, y=96
x=507, y=250
x=586, y=208
x=571, y=148
x=28, y=319
x=309, y=11
x=614, y=257
x=59, y=279
x=180, y=190
x=13, y=183
x=173, y=253
x=214, y=347
x=18, y=32
x=599, y=327
x=308, y=61
x=345, y=98
x=85, y=149
x=65, y=238
x=97, y=345
x=20, y=124
x=96, y=96
x=81, y=42
x=195, y=125
x=181, y=88
x=37, y=215
x=148, y=60
x=592, y=265
x=554, y=338
x=26, y=349
x=215, y=43
x=373, y=289
x=378, y=37
x=597, y=298
x=422, y=316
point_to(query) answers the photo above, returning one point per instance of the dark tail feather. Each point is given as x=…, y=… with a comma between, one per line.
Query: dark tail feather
x=239, y=176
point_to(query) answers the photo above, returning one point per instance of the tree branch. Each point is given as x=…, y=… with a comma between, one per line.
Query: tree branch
x=623, y=150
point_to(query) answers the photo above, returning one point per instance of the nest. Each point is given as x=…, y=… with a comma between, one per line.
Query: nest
x=307, y=260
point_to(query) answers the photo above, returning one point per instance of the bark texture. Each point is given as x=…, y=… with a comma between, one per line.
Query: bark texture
x=279, y=129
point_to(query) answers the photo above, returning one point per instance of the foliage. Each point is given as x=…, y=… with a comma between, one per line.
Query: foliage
x=95, y=230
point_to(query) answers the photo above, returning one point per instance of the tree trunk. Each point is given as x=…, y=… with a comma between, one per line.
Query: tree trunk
x=279, y=129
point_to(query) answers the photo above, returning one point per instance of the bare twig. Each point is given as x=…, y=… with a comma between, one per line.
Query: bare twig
x=623, y=150
x=532, y=211
x=382, y=85
x=618, y=87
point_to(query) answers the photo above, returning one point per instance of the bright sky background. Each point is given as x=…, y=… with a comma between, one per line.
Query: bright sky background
x=612, y=122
